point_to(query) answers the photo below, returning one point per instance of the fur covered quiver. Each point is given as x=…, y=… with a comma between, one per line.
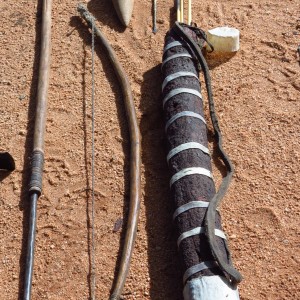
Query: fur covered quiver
x=191, y=183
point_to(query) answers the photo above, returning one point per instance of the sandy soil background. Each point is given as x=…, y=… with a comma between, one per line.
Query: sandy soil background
x=257, y=99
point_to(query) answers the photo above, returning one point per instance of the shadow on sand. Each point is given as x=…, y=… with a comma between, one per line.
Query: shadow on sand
x=165, y=273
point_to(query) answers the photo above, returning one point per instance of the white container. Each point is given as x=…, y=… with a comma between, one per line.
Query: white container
x=224, y=39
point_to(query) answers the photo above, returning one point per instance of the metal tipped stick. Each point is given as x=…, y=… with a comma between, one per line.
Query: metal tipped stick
x=37, y=158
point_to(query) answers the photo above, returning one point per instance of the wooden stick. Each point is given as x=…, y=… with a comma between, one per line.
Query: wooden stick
x=181, y=10
x=189, y=12
x=178, y=10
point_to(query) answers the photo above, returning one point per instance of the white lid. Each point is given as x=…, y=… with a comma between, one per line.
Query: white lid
x=224, y=39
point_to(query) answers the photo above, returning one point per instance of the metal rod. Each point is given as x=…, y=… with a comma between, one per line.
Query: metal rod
x=154, y=16
x=30, y=246
x=37, y=159
x=135, y=157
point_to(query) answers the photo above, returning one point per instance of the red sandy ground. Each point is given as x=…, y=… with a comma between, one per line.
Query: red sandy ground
x=257, y=99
